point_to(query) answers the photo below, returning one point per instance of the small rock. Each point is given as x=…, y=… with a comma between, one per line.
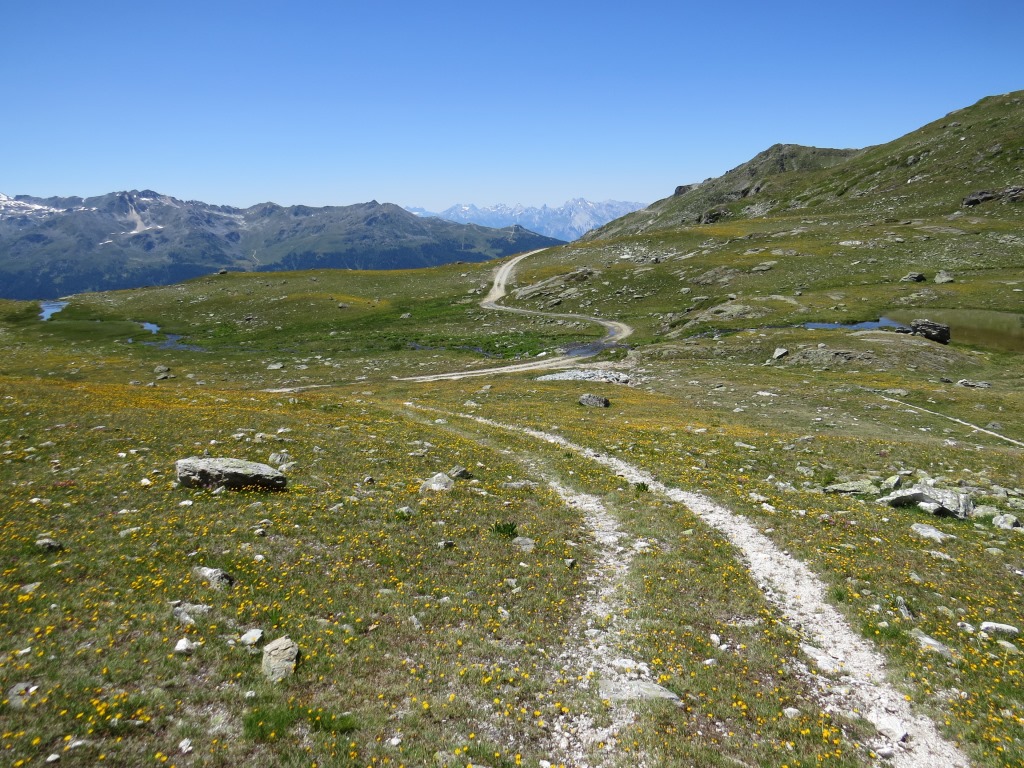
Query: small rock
x=999, y=629
x=779, y=353
x=524, y=544
x=1006, y=522
x=185, y=647
x=913, y=277
x=459, y=472
x=931, y=644
x=46, y=544
x=943, y=277
x=973, y=384
x=215, y=577
x=439, y=483
x=18, y=694
x=280, y=658
x=594, y=401
x=855, y=487
x=931, y=532
x=1009, y=647
x=930, y=330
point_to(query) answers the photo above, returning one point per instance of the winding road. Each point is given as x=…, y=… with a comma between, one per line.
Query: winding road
x=502, y=275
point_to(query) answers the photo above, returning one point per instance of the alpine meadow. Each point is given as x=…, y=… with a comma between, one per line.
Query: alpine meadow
x=732, y=480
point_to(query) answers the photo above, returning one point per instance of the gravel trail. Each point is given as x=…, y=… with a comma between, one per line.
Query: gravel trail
x=859, y=683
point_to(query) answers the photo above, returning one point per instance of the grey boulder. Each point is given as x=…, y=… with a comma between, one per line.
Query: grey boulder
x=280, y=658
x=938, y=501
x=233, y=474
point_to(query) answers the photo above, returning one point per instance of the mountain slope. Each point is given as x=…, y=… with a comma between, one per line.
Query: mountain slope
x=568, y=221
x=56, y=246
x=927, y=171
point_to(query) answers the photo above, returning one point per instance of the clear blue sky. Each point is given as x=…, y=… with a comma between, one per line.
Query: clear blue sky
x=429, y=104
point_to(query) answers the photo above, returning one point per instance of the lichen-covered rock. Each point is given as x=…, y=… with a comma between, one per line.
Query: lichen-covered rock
x=280, y=658
x=202, y=472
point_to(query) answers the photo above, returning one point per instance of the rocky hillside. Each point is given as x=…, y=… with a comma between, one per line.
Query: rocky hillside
x=930, y=170
x=57, y=246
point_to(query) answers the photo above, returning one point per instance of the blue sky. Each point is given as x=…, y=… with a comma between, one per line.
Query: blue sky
x=429, y=104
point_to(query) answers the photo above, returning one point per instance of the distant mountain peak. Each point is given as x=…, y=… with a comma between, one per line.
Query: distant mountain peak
x=568, y=221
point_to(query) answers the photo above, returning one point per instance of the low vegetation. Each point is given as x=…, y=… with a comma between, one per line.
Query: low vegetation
x=475, y=626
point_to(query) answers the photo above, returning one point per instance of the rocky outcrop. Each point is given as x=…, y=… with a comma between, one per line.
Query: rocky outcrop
x=1010, y=194
x=930, y=330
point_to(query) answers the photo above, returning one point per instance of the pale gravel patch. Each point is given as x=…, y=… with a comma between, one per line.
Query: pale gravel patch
x=799, y=596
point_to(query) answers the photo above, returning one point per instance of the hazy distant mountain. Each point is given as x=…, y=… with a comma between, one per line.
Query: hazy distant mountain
x=566, y=222
x=56, y=246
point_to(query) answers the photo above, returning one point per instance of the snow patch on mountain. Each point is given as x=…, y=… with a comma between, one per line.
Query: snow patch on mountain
x=568, y=221
x=11, y=207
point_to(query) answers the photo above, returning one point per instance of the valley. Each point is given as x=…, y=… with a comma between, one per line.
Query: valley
x=761, y=542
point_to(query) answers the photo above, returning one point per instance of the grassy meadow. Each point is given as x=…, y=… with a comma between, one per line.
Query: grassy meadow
x=427, y=636
x=429, y=633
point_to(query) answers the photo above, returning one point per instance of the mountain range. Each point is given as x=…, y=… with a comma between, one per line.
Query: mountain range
x=55, y=246
x=569, y=221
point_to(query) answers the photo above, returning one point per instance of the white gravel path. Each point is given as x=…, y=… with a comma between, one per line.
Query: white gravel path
x=911, y=740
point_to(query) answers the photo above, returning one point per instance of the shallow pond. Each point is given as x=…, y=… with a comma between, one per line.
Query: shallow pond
x=978, y=327
x=48, y=309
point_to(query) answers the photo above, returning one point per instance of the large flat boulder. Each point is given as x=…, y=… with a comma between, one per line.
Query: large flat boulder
x=233, y=474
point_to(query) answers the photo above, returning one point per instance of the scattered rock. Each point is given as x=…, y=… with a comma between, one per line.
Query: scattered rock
x=185, y=613
x=994, y=628
x=233, y=474
x=524, y=544
x=973, y=384
x=280, y=658
x=459, y=472
x=19, y=693
x=46, y=544
x=928, y=643
x=215, y=577
x=943, y=277
x=185, y=647
x=779, y=353
x=439, y=483
x=626, y=690
x=931, y=532
x=938, y=501
x=1011, y=194
x=913, y=277
x=854, y=487
x=930, y=330
x=594, y=401
x=892, y=483
x=1006, y=522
